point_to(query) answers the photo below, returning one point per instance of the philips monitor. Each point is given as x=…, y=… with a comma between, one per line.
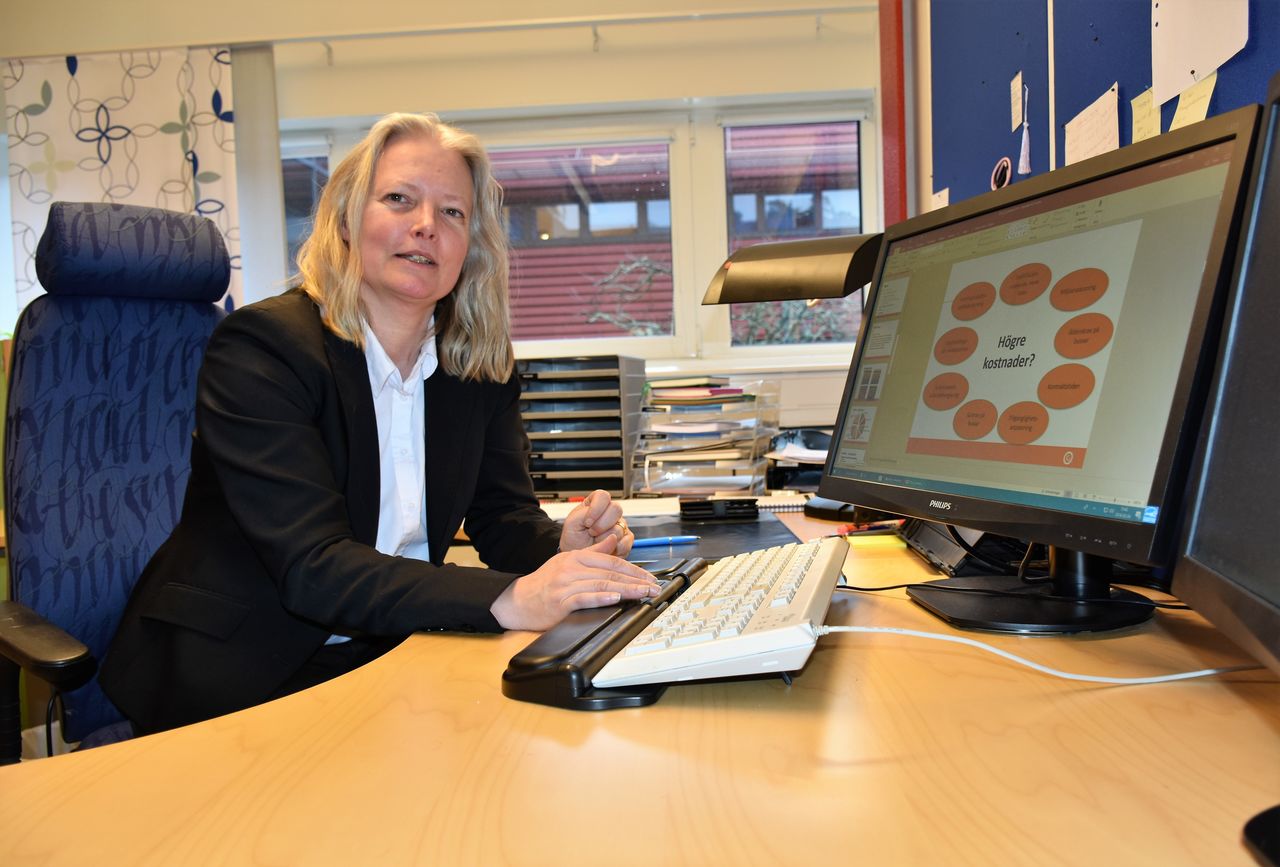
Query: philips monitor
x=1228, y=567
x=1033, y=363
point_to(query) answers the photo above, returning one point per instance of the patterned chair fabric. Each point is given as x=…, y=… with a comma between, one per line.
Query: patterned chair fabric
x=101, y=411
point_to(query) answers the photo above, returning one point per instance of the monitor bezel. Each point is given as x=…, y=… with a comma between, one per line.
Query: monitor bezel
x=1150, y=544
x=1250, y=620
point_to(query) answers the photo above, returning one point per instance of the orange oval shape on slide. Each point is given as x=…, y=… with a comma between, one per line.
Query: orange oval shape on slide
x=945, y=391
x=974, y=420
x=1025, y=284
x=1079, y=289
x=972, y=301
x=1065, y=386
x=1083, y=335
x=1024, y=422
x=956, y=345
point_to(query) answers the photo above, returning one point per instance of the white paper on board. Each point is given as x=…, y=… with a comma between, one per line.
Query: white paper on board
x=1190, y=39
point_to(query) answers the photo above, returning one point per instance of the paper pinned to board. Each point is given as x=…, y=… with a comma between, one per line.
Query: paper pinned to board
x=1146, y=116
x=1190, y=40
x=1096, y=130
x=1015, y=102
x=1193, y=103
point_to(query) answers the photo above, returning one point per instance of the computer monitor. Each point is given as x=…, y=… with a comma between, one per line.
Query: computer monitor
x=1228, y=568
x=1033, y=362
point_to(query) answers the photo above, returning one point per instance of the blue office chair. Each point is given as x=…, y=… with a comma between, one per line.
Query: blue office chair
x=97, y=438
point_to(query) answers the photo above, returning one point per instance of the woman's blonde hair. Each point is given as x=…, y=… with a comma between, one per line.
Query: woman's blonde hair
x=472, y=321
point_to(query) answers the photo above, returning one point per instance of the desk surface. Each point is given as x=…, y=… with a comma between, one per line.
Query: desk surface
x=886, y=750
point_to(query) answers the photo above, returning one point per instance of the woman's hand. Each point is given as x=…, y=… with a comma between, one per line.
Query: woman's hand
x=588, y=578
x=597, y=517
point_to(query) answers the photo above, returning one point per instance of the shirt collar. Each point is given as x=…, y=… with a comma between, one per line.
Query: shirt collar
x=382, y=370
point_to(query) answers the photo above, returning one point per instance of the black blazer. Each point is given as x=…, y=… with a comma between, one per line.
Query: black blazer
x=274, y=550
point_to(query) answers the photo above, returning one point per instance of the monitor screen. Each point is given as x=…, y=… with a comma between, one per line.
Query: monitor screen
x=1228, y=569
x=1032, y=361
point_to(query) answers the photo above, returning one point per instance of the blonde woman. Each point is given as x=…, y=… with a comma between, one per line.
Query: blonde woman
x=344, y=430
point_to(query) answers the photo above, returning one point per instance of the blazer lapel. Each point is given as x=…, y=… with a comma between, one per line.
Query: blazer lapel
x=450, y=429
x=363, y=483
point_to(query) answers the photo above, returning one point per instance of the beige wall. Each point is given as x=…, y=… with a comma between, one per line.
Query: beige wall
x=486, y=70
x=518, y=71
x=81, y=26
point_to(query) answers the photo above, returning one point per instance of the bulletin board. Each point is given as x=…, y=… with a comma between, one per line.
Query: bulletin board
x=978, y=46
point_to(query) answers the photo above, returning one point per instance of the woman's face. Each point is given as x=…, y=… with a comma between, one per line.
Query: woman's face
x=414, y=230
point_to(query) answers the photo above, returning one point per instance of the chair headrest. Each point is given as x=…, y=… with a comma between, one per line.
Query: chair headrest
x=93, y=248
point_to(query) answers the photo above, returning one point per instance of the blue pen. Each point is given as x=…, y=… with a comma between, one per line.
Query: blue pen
x=657, y=541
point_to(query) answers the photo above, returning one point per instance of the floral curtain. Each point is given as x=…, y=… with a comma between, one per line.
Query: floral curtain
x=140, y=127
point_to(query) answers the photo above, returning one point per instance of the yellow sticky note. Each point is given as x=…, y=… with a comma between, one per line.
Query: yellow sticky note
x=1193, y=103
x=1146, y=116
x=888, y=540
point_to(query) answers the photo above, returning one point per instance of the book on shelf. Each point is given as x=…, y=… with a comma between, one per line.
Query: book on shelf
x=654, y=443
x=689, y=382
x=694, y=427
x=710, y=400
x=690, y=455
x=725, y=402
x=658, y=395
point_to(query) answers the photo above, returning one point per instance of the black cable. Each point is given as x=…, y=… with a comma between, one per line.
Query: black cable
x=982, y=591
x=972, y=552
x=1022, y=569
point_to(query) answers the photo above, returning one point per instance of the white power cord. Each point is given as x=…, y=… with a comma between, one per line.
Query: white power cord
x=1091, y=678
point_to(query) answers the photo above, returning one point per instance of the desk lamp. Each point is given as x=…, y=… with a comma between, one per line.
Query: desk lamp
x=796, y=270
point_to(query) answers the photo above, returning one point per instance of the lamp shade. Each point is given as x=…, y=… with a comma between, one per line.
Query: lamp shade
x=796, y=270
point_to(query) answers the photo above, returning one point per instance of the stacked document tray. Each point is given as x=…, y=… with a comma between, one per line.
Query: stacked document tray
x=581, y=414
x=696, y=444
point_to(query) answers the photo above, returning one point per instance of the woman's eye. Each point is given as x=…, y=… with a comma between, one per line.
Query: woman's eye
x=396, y=197
x=454, y=212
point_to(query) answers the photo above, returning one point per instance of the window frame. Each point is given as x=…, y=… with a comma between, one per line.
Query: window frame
x=694, y=130
x=717, y=350
x=644, y=128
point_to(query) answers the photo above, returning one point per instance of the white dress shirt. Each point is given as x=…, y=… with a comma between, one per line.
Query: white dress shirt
x=399, y=403
x=400, y=406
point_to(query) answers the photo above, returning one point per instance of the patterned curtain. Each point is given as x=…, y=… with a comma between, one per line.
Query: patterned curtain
x=149, y=128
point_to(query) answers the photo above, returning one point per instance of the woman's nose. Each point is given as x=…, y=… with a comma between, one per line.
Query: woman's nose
x=425, y=223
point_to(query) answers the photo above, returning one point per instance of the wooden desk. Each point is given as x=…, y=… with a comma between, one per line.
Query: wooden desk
x=886, y=750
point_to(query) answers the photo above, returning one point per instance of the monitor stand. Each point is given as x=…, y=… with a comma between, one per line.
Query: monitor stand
x=1083, y=599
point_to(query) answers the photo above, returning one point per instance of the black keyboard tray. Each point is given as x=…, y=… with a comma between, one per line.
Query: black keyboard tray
x=556, y=668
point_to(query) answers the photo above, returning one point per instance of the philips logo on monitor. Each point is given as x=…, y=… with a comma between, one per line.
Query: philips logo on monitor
x=1150, y=514
x=944, y=505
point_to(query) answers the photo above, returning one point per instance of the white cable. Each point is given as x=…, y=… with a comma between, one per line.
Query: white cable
x=1092, y=678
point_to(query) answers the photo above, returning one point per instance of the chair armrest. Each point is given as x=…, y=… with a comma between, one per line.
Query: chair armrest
x=38, y=647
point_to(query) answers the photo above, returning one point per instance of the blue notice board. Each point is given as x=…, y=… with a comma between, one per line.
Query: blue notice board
x=978, y=46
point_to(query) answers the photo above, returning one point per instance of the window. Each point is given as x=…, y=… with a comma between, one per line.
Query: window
x=304, y=178
x=618, y=222
x=788, y=182
x=590, y=230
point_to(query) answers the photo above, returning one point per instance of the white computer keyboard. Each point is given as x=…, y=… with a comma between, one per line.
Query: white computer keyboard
x=752, y=613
